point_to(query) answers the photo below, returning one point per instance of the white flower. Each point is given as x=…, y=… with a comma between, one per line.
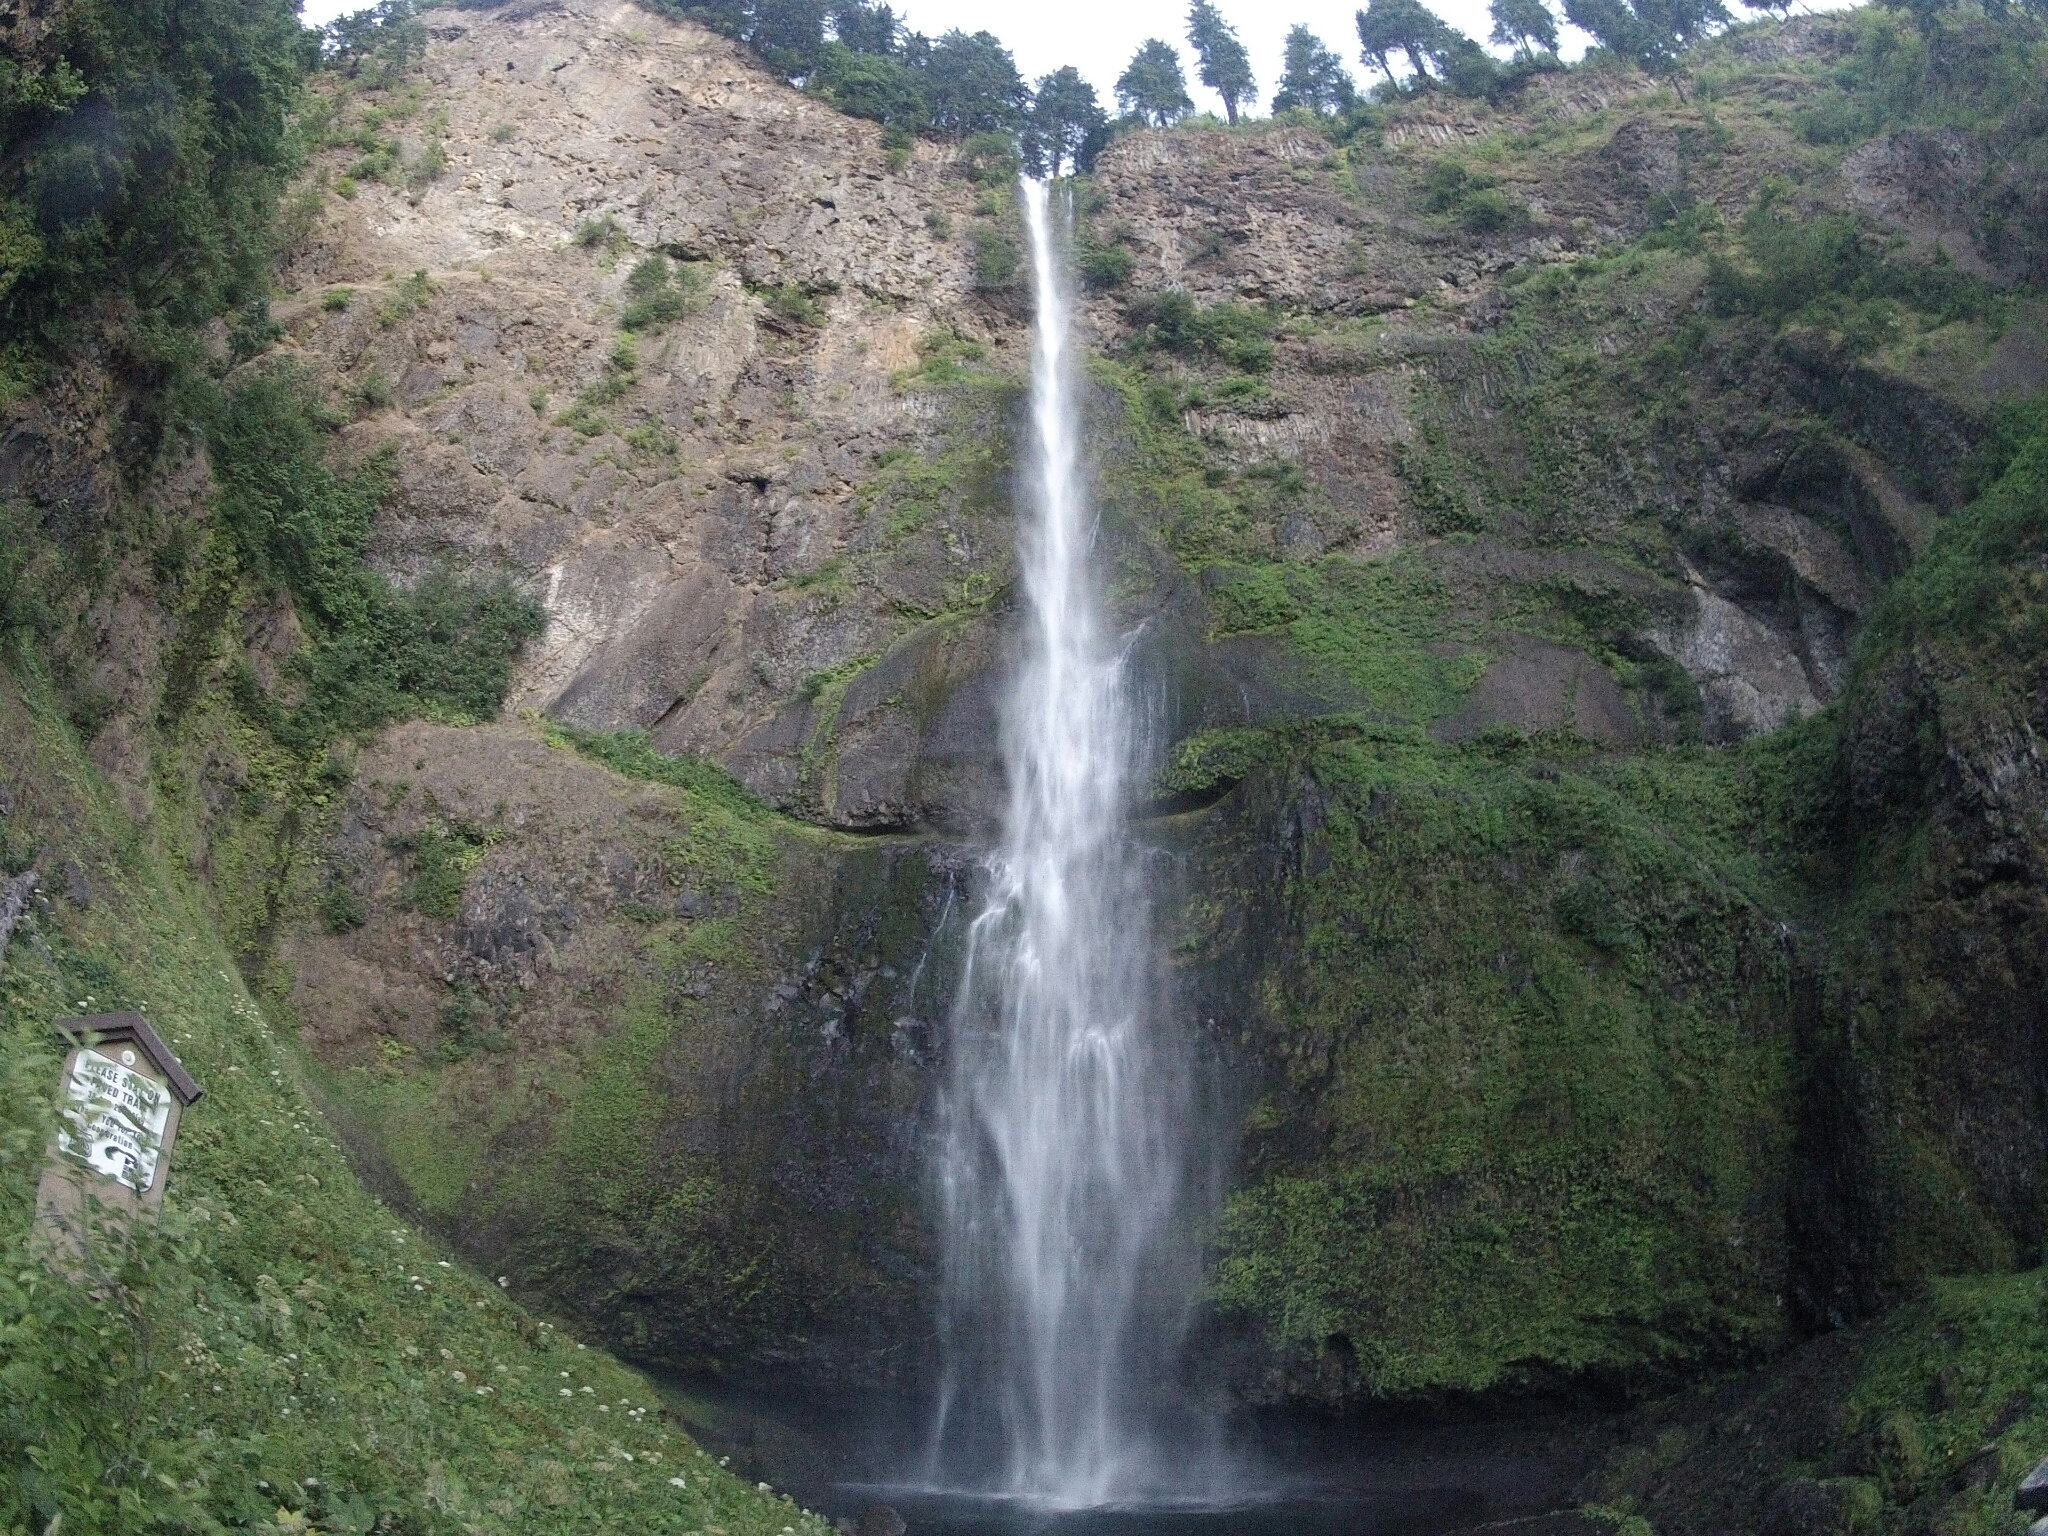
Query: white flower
x=458, y=1376
x=676, y=1482
x=567, y=1393
x=504, y=1283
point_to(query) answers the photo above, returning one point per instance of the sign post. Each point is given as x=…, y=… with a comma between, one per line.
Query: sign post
x=123, y=1091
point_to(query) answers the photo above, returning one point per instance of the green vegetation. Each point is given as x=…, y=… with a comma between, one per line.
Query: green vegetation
x=658, y=293
x=407, y=299
x=145, y=150
x=1471, y=199
x=1932, y=1414
x=630, y=755
x=1547, y=1116
x=281, y=1352
x=996, y=258
x=443, y=855
x=297, y=527
x=1832, y=273
x=1234, y=334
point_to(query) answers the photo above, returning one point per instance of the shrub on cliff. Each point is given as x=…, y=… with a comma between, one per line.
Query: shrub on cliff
x=299, y=527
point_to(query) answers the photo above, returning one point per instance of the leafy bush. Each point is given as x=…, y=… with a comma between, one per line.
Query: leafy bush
x=606, y=232
x=657, y=294
x=300, y=527
x=788, y=301
x=996, y=260
x=1172, y=321
x=1104, y=266
x=1472, y=199
x=1831, y=270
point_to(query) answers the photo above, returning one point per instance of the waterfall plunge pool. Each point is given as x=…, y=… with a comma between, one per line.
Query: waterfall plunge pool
x=1278, y=1475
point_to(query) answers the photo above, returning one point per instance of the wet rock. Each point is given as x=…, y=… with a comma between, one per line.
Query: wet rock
x=1831, y=1507
x=1543, y=687
x=875, y=1520
x=2032, y=1493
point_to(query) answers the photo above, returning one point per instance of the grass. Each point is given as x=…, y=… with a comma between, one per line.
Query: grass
x=283, y=1352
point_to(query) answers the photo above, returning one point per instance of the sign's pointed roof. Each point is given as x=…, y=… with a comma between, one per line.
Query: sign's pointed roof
x=132, y=1028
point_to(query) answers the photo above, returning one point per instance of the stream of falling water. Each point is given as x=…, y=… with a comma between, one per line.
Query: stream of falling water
x=1062, y=1161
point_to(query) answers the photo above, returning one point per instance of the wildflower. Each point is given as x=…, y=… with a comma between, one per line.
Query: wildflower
x=458, y=1376
x=567, y=1393
x=675, y=1482
x=503, y=1283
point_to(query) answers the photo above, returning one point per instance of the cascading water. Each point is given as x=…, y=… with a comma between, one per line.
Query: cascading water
x=1062, y=1162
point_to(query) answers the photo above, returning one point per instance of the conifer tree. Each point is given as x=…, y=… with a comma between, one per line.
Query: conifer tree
x=1313, y=78
x=1524, y=24
x=1066, y=121
x=1407, y=27
x=1152, y=87
x=1225, y=67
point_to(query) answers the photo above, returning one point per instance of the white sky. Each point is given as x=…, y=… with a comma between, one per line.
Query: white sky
x=1098, y=37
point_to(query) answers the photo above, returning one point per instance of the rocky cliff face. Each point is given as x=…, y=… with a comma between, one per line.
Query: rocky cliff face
x=1483, y=482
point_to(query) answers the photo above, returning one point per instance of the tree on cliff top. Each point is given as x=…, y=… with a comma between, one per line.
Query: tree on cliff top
x=1067, y=124
x=1152, y=87
x=1524, y=24
x=1407, y=27
x=1225, y=67
x=973, y=85
x=1313, y=79
x=865, y=28
x=1648, y=33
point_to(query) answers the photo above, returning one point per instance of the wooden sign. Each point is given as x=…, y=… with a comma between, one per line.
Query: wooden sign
x=122, y=1093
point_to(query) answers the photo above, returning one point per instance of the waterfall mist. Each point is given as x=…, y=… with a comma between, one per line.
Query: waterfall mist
x=1062, y=1168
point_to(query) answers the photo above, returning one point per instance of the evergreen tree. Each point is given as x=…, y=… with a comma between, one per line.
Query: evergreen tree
x=1225, y=67
x=1152, y=87
x=866, y=28
x=788, y=34
x=972, y=85
x=1407, y=27
x=1066, y=120
x=1313, y=77
x=878, y=86
x=1527, y=25
x=1650, y=33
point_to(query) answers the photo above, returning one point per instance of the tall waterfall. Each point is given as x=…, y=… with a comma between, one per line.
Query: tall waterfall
x=1061, y=1167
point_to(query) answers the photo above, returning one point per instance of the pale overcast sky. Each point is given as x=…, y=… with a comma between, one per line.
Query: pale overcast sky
x=1098, y=38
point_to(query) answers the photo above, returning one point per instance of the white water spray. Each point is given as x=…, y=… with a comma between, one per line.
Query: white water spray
x=1061, y=1167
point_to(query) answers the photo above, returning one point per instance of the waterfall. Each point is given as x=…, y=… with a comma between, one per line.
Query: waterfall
x=1061, y=1163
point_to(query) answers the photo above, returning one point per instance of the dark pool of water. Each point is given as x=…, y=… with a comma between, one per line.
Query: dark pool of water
x=1323, y=1512
x=1320, y=1479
